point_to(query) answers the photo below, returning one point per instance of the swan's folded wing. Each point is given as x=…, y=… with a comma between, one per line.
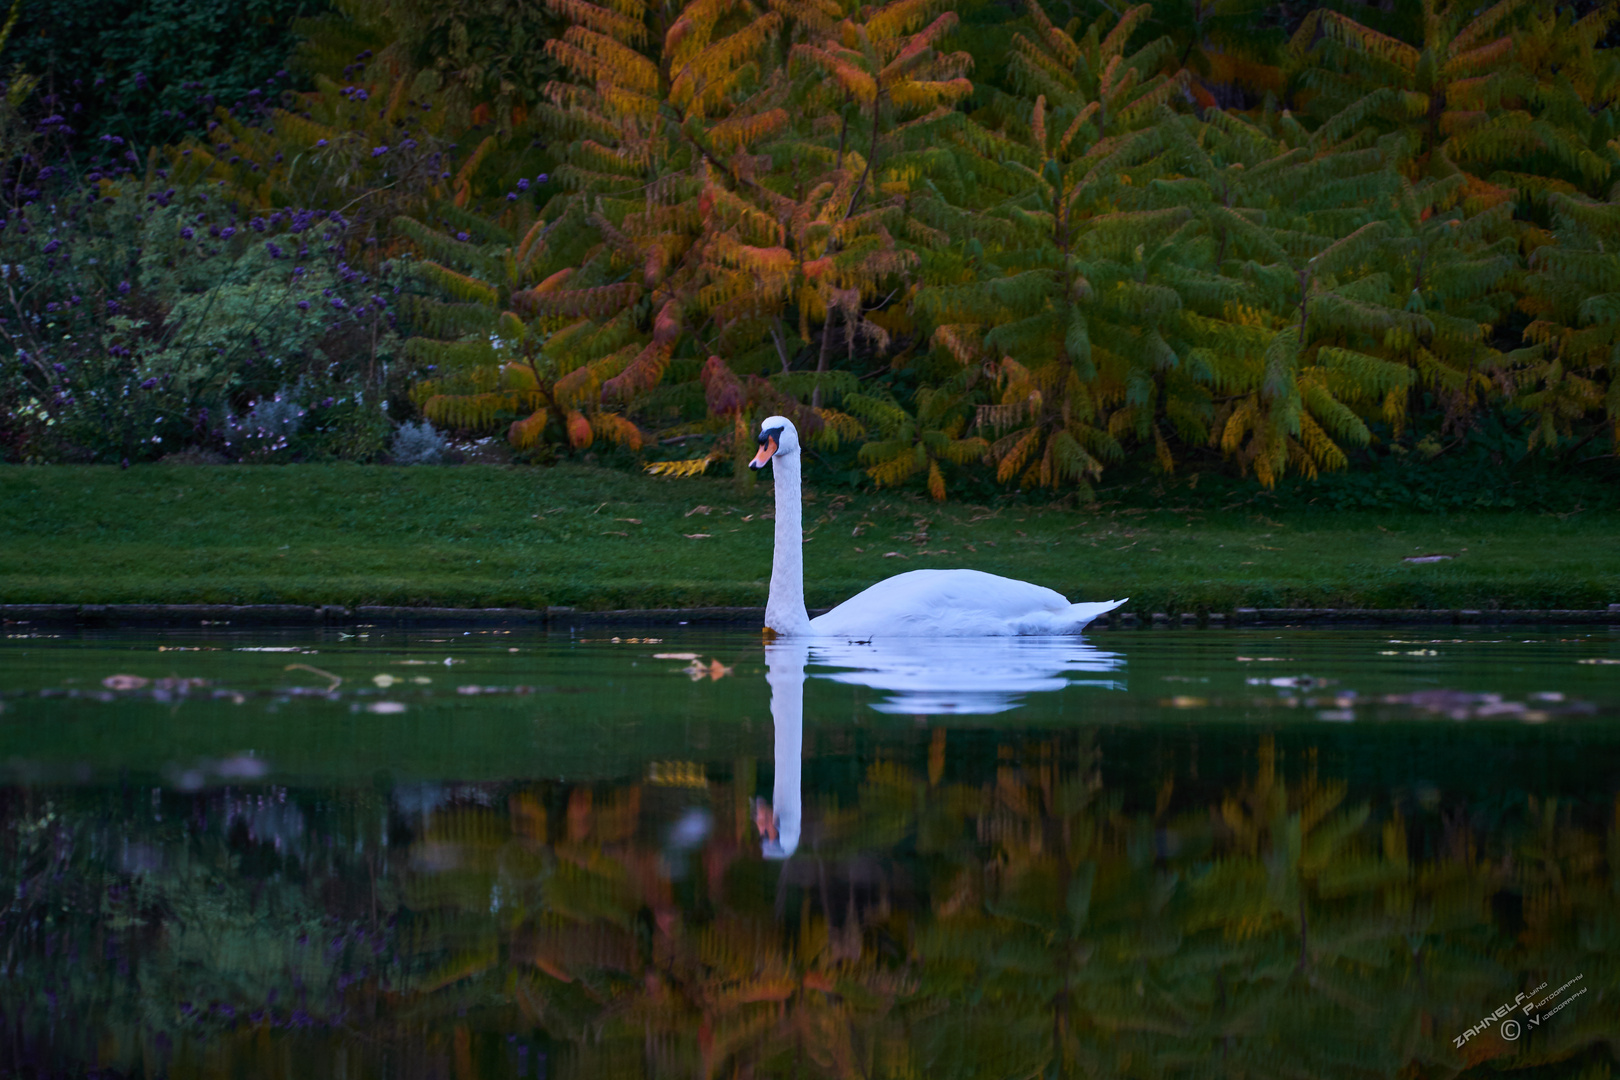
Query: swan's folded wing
x=949, y=603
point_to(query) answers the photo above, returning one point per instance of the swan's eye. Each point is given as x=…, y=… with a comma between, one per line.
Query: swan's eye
x=772, y=435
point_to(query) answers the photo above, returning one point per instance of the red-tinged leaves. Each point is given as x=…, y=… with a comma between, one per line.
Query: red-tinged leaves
x=525, y=433
x=722, y=390
x=667, y=326
x=616, y=429
x=597, y=303
x=463, y=181
x=579, y=430
x=578, y=387
x=643, y=373
x=554, y=282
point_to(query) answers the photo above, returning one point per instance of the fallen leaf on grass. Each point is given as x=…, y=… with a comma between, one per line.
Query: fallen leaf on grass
x=1598, y=660
x=124, y=682
x=1427, y=558
x=386, y=708
x=895, y=555
x=699, y=510
x=697, y=536
x=675, y=656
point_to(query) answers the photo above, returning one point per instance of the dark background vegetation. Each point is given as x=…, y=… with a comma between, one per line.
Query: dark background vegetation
x=108, y=108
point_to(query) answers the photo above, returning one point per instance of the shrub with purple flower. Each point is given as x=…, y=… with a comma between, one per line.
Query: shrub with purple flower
x=143, y=339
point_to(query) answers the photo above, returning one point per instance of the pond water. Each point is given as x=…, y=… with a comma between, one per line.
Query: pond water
x=664, y=853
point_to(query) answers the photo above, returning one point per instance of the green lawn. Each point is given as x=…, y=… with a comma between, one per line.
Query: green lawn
x=482, y=536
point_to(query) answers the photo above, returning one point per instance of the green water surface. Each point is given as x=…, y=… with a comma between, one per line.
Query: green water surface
x=666, y=853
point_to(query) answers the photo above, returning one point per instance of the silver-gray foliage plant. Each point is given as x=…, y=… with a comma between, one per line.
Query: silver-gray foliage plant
x=418, y=444
x=269, y=426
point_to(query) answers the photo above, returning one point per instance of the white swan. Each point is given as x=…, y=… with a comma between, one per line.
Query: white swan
x=920, y=603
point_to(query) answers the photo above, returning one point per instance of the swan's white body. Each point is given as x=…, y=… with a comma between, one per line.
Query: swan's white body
x=921, y=603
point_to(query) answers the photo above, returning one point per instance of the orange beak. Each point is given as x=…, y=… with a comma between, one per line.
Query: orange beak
x=767, y=449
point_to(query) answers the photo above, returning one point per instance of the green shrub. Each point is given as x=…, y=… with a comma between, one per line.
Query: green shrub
x=153, y=318
x=147, y=71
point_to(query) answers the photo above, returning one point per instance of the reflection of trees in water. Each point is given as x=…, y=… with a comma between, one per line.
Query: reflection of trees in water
x=1020, y=923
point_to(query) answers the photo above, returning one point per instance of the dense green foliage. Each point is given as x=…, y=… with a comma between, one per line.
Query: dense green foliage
x=964, y=245
x=148, y=71
x=1090, y=254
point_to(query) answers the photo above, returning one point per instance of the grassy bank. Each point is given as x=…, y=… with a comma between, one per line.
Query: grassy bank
x=477, y=536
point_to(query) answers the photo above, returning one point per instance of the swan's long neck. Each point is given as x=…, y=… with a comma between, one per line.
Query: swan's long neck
x=784, y=610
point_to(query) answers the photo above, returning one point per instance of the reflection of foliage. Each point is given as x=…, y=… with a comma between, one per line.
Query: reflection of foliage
x=1005, y=919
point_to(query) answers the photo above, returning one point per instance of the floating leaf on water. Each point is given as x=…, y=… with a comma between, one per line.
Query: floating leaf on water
x=675, y=656
x=337, y=680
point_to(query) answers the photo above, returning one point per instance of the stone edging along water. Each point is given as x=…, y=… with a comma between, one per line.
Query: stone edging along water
x=117, y=616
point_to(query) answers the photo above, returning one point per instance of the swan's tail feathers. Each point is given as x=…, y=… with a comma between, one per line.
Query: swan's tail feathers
x=1081, y=615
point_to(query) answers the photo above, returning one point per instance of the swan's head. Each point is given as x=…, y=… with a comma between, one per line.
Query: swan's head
x=778, y=833
x=777, y=438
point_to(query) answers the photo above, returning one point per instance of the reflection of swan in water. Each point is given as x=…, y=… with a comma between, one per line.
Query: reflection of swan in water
x=964, y=676
x=784, y=670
